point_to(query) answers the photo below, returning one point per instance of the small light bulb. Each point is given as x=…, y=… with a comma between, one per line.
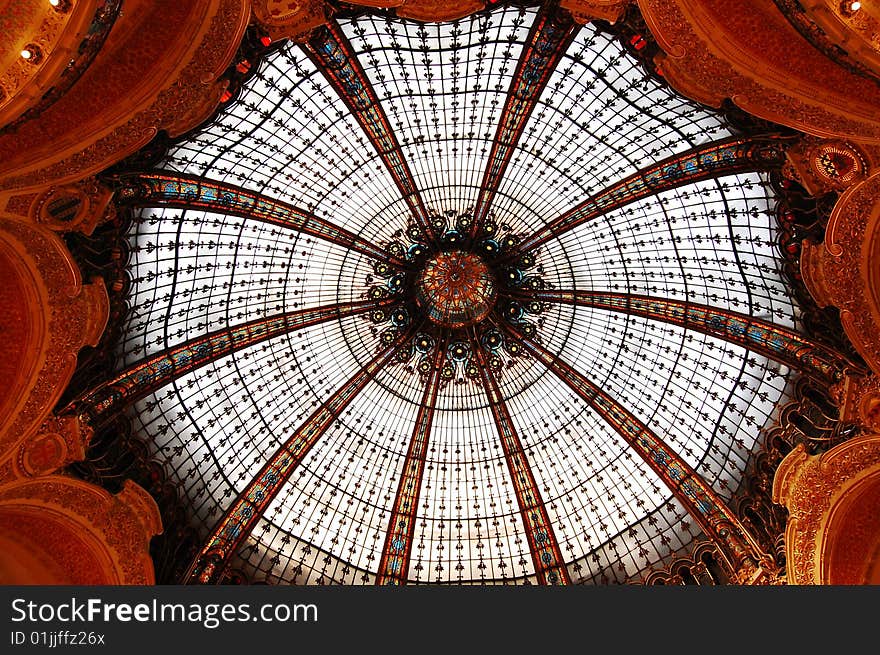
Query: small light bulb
x=855, y=6
x=54, y=3
x=31, y=53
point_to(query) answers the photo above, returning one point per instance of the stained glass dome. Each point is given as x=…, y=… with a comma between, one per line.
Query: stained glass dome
x=474, y=301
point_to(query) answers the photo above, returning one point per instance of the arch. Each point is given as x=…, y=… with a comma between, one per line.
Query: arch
x=833, y=530
x=46, y=316
x=60, y=531
x=849, y=541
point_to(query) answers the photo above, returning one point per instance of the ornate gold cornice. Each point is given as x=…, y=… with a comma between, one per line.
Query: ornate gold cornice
x=851, y=38
x=50, y=35
x=159, y=70
x=756, y=58
x=584, y=11
x=829, y=165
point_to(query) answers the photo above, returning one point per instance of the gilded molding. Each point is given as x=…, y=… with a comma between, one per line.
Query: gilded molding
x=852, y=39
x=289, y=20
x=842, y=271
x=115, y=529
x=426, y=10
x=696, y=564
x=72, y=207
x=583, y=11
x=18, y=205
x=858, y=398
x=811, y=488
x=828, y=165
x=58, y=442
x=174, y=103
x=66, y=314
x=756, y=58
x=53, y=34
x=437, y=10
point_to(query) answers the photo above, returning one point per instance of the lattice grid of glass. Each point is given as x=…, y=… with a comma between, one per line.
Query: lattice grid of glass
x=443, y=88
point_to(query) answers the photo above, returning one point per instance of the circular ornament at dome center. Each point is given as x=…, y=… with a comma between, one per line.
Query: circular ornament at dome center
x=456, y=289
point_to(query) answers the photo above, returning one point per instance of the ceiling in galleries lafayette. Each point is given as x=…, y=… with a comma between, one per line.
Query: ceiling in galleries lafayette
x=290, y=136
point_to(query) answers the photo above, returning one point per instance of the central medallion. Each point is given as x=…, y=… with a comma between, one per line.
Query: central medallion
x=464, y=299
x=456, y=289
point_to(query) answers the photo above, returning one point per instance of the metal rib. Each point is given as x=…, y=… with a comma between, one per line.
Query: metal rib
x=774, y=342
x=549, y=38
x=166, y=189
x=142, y=378
x=242, y=516
x=331, y=52
x=717, y=521
x=547, y=558
x=727, y=157
x=397, y=550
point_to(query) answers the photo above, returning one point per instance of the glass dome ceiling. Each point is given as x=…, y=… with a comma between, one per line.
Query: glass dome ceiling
x=349, y=166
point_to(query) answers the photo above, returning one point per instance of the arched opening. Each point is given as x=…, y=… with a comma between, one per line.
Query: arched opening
x=850, y=540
